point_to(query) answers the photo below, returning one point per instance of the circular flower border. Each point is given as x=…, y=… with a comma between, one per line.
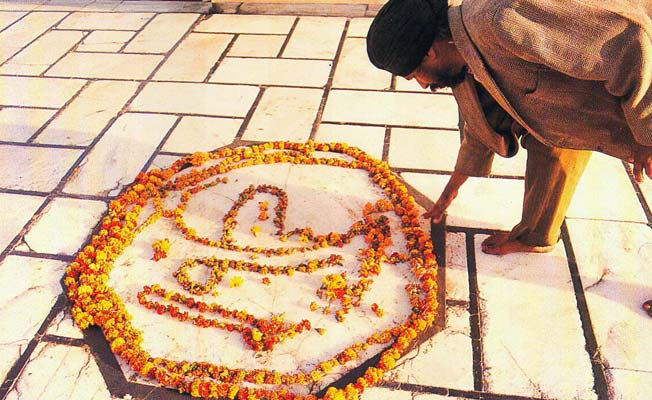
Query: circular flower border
x=96, y=303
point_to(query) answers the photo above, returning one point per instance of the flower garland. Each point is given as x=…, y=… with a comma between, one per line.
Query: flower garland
x=95, y=302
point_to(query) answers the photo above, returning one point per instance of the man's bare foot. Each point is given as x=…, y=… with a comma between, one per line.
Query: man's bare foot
x=500, y=244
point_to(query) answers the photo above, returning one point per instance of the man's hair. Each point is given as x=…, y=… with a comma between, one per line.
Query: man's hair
x=401, y=34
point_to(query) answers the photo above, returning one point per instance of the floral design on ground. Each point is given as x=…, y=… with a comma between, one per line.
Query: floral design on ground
x=95, y=301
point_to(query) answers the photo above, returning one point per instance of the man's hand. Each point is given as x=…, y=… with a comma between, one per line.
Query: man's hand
x=436, y=213
x=642, y=162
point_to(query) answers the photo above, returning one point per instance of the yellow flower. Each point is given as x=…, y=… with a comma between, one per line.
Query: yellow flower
x=256, y=230
x=236, y=281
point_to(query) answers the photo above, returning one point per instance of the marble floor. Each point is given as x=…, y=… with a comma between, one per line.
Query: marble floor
x=92, y=92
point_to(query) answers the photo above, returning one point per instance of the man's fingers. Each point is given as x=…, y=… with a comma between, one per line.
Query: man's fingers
x=638, y=171
x=648, y=168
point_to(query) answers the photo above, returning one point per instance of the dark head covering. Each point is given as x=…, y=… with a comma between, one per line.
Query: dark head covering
x=402, y=33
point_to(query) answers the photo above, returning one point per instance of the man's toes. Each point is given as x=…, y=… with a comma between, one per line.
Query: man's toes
x=495, y=240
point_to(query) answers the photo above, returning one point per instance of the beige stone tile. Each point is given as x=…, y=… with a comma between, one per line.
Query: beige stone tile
x=646, y=189
x=106, y=66
x=29, y=289
x=161, y=34
x=630, y=385
x=312, y=73
x=605, y=192
x=34, y=168
x=518, y=349
x=257, y=46
x=37, y=92
x=198, y=7
x=457, y=276
x=41, y=54
x=9, y=17
x=103, y=5
x=284, y=114
x=370, y=139
x=388, y=108
x=315, y=37
x=231, y=23
x=196, y=98
x=73, y=368
x=99, y=21
x=380, y=393
x=64, y=325
x=27, y=5
x=15, y=211
x=64, y=226
x=194, y=58
x=64, y=5
x=17, y=36
x=358, y=27
x=122, y=152
x=105, y=41
x=514, y=166
x=354, y=71
x=19, y=124
x=202, y=134
x=88, y=114
x=423, y=149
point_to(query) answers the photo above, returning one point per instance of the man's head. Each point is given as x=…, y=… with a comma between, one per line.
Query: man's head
x=408, y=34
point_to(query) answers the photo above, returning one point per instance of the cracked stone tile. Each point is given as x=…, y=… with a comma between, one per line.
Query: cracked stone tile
x=72, y=368
x=391, y=108
x=20, y=34
x=86, y=116
x=257, y=46
x=630, y=385
x=358, y=27
x=530, y=321
x=614, y=261
x=63, y=325
x=604, y=184
x=457, y=276
x=161, y=34
x=99, y=21
x=379, y=393
x=15, y=211
x=202, y=134
x=122, y=152
x=315, y=37
x=9, y=17
x=19, y=124
x=196, y=98
x=105, y=41
x=424, y=149
x=34, y=168
x=444, y=360
x=52, y=92
x=503, y=197
x=354, y=71
x=41, y=54
x=64, y=226
x=272, y=71
x=284, y=114
x=29, y=288
x=194, y=58
x=163, y=161
x=260, y=24
x=106, y=66
x=370, y=139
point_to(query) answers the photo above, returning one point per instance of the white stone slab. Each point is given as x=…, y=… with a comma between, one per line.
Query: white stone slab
x=19, y=124
x=445, y=360
x=64, y=325
x=74, y=370
x=284, y=114
x=103, y=5
x=423, y=149
x=378, y=393
x=99, y=21
x=481, y=202
x=34, y=168
x=86, y=116
x=41, y=54
x=37, y=92
x=106, y=66
x=271, y=71
x=614, y=263
x=15, y=211
x=18, y=35
x=120, y=154
x=202, y=134
x=514, y=166
x=9, y=17
x=194, y=58
x=630, y=385
x=530, y=322
x=370, y=139
x=646, y=190
x=64, y=5
x=315, y=37
x=29, y=289
x=358, y=27
x=196, y=98
x=105, y=41
x=27, y=5
x=64, y=226
x=390, y=108
x=231, y=23
x=161, y=34
x=197, y=7
x=257, y=45
x=354, y=71
x=457, y=275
